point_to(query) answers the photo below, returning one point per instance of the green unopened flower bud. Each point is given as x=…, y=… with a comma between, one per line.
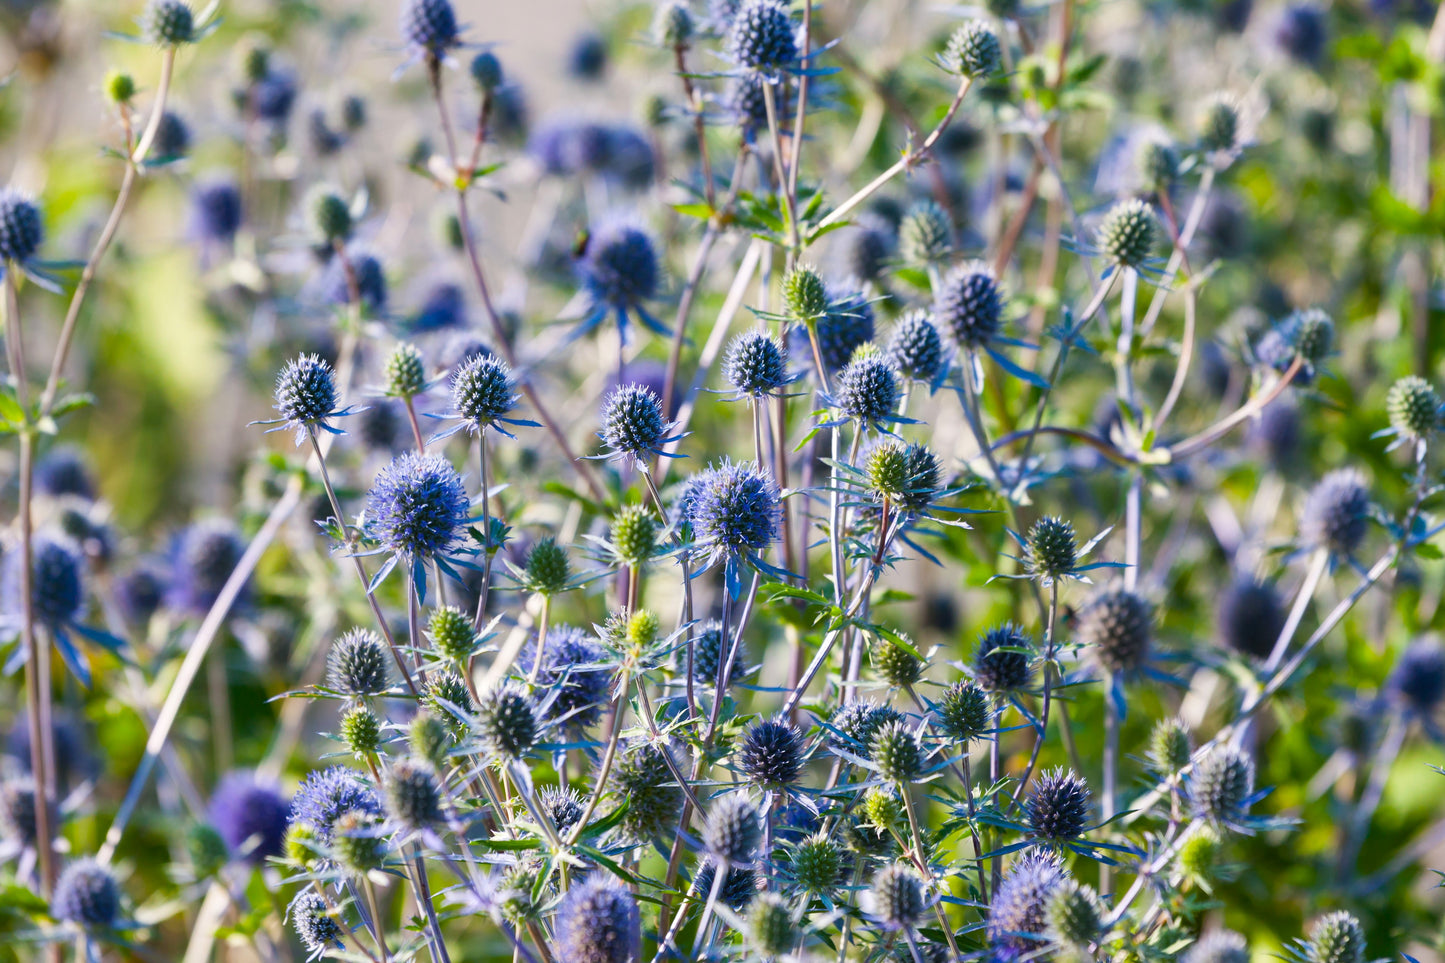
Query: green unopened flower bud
x=361, y=731
x=1336, y=938
x=405, y=372
x=973, y=51
x=925, y=236
x=634, y=534
x=1219, y=125
x=253, y=59
x=548, y=568
x=452, y=633
x=357, y=843
x=805, y=296
x=303, y=846
x=963, y=711
x=1414, y=407
x=893, y=663
x=119, y=87
x=817, y=864
x=1199, y=855
x=673, y=25
x=329, y=215
x=515, y=893
x=643, y=627
x=429, y=738
x=771, y=925
x=1169, y=747
x=1075, y=915
x=882, y=809
x=1128, y=233
x=207, y=850
x=1159, y=165
x=1051, y=551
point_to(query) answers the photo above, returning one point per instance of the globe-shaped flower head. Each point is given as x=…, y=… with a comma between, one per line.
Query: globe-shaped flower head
x=1050, y=551
x=620, y=270
x=1219, y=125
x=1222, y=785
x=168, y=23
x=414, y=794
x=1128, y=233
x=1250, y=617
x=756, y=364
x=86, y=894
x=633, y=425
x=734, y=516
x=173, y=138
x=1414, y=407
x=506, y=722
x=1218, y=946
x=916, y=348
x=1302, y=32
x=216, y=212
x=761, y=36
x=973, y=51
x=355, y=276
x=56, y=585
x=999, y=665
x=357, y=665
x=847, y=323
x=21, y=227
x=1058, y=806
x=250, y=816
x=306, y=396
x=1075, y=916
x=925, y=235
x=963, y=712
x=315, y=927
x=1336, y=937
x=1117, y=625
x=1336, y=514
x=896, y=752
x=970, y=305
x=897, y=897
x=771, y=753
x=572, y=675
x=867, y=391
x=482, y=394
x=430, y=26
x=643, y=778
x=597, y=922
x=854, y=725
x=417, y=506
x=327, y=793
x=1418, y=679
x=1017, y=918
x=205, y=555
x=733, y=832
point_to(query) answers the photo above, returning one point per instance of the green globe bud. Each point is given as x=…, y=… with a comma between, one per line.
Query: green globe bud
x=893, y=663
x=429, y=738
x=925, y=236
x=358, y=843
x=1159, y=165
x=1128, y=233
x=1199, y=855
x=673, y=26
x=1075, y=915
x=452, y=633
x=805, y=296
x=963, y=711
x=634, y=535
x=1050, y=550
x=361, y=731
x=643, y=627
x=817, y=864
x=119, y=87
x=1219, y=125
x=973, y=51
x=207, y=850
x=771, y=925
x=882, y=810
x=1414, y=407
x=548, y=568
x=303, y=846
x=515, y=893
x=405, y=372
x=329, y=214
x=1336, y=938
x=1169, y=747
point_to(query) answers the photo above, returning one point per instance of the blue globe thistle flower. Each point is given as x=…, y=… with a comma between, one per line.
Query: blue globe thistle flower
x=771, y=753
x=328, y=793
x=573, y=676
x=1302, y=32
x=1017, y=918
x=1058, y=806
x=970, y=305
x=168, y=23
x=761, y=36
x=430, y=26
x=746, y=106
x=21, y=227
x=620, y=270
x=867, y=248
x=57, y=596
x=251, y=817
x=1306, y=335
x=216, y=211
x=1221, y=787
x=733, y=831
x=847, y=326
x=315, y=927
x=63, y=471
x=634, y=427
x=597, y=922
x=443, y=307
x=306, y=398
x=204, y=557
x=72, y=741
x=629, y=158
x=852, y=727
x=1003, y=671
x=1337, y=513
x=274, y=97
x=916, y=349
x=417, y=509
x=17, y=810
x=587, y=57
x=482, y=396
x=173, y=138
x=643, y=777
x=1250, y=617
x=756, y=365
x=566, y=145
x=867, y=391
x=370, y=279
x=896, y=897
x=87, y=894
x=734, y=511
x=739, y=886
x=1418, y=679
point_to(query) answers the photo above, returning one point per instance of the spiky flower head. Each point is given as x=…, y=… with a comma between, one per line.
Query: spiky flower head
x=429, y=738
x=771, y=753
x=17, y=809
x=306, y=393
x=430, y=25
x=358, y=843
x=1221, y=785
x=855, y=724
x=916, y=348
x=1018, y=916
x=304, y=846
x=962, y=712
x=1219, y=124
x=735, y=509
x=597, y=922
x=445, y=695
x=357, y=664
x=571, y=675
x=1250, y=617
x=896, y=752
x=548, y=568
x=1336, y=514
x=327, y=793
x=867, y=390
x=643, y=777
x=847, y=325
x=771, y=925
x=970, y=305
x=707, y=654
x=486, y=71
x=1302, y=32
x=86, y=894
x=173, y=137
x=925, y=235
x=1128, y=233
x=250, y=815
x=634, y=534
x=1158, y=163
x=414, y=794
x=897, y=897
x=894, y=664
x=514, y=893
x=805, y=296
x=1218, y=946
x=904, y=474
x=621, y=269
x=21, y=227
x=563, y=806
x=57, y=590
x=482, y=390
x=119, y=87
x=1418, y=678
x=817, y=864
x=328, y=214
x=733, y=832
x=1075, y=916
x=1199, y=854
x=633, y=422
x=315, y=927
x=206, y=849
x=216, y=211
x=973, y=51
x=1414, y=407
x=1336, y=937
x=452, y=633
x=673, y=25
x=405, y=372
x=739, y=885
x=1118, y=625
x=417, y=506
x=506, y=722
x=1169, y=746
x=1058, y=806
x=756, y=364
x=168, y=23
x=1051, y=551
x=1003, y=671
x=361, y=730
x=761, y=36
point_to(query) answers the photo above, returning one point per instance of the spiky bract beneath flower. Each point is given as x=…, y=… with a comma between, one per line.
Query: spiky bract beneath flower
x=1336, y=514
x=897, y=897
x=733, y=832
x=317, y=929
x=761, y=36
x=894, y=664
x=643, y=779
x=357, y=664
x=1058, y=806
x=1414, y=407
x=250, y=816
x=1221, y=786
x=867, y=391
x=973, y=51
x=168, y=23
x=418, y=506
x=1218, y=946
x=970, y=305
x=896, y=752
x=506, y=723
x=633, y=422
x=756, y=364
x=87, y=894
x=1336, y=937
x=414, y=794
x=1003, y=671
x=1418, y=679
x=306, y=392
x=856, y=723
x=771, y=753
x=1018, y=916
x=1118, y=624
x=963, y=711
x=597, y=922
x=572, y=675
x=430, y=25
x=326, y=794
x=1251, y=617
x=916, y=348
x=739, y=885
x=1128, y=233
x=482, y=391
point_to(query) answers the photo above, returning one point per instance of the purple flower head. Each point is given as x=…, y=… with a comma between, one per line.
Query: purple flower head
x=63, y=471
x=56, y=588
x=734, y=512
x=1418, y=678
x=204, y=556
x=1016, y=920
x=445, y=306
x=216, y=213
x=368, y=275
x=326, y=794
x=22, y=229
x=429, y=26
x=418, y=506
x=87, y=894
x=619, y=271
x=572, y=675
x=250, y=815
x=597, y=922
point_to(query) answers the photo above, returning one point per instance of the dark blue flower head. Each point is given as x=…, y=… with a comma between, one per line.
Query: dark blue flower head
x=739, y=886
x=216, y=212
x=916, y=349
x=620, y=270
x=633, y=425
x=771, y=753
x=761, y=36
x=73, y=759
x=1302, y=32
x=444, y=306
x=847, y=324
x=1250, y=617
x=746, y=104
x=1058, y=806
x=629, y=159
x=56, y=587
x=250, y=815
x=87, y=894
x=274, y=97
x=970, y=305
x=566, y=145
x=734, y=515
x=418, y=506
x=482, y=392
x=205, y=555
x=572, y=674
x=1418, y=679
x=317, y=929
x=326, y=794
x=867, y=391
x=430, y=26
x=1007, y=670
x=867, y=248
x=756, y=364
x=173, y=137
x=21, y=227
x=1017, y=918
x=306, y=395
x=597, y=922
x=587, y=58
x=168, y=23
x=365, y=272
x=63, y=471
x=1336, y=515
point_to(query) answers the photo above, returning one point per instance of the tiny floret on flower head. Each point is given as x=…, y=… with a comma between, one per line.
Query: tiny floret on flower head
x=1221, y=785
x=771, y=753
x=1219, y=125
x=597, y=922
x=1336, y=514
x=405, y=372
x=1414, y=407
x=1051, y=551
x=896, y=752
x=250, y=816
x=925, y=235
x=1336, y=938
x=486, y=71
x=1169, y=747
x=306, y=392
x=897, y=897
x=506, y=722
x=916, y=348
x=357, y=664
x=970, y=305
x=482, y=390
x=1075, y=915
x=1418, y=679
x=315, y=927
x=417, y=506
x=732, y=833
x=620, y=268
x=756, y=364
x=673, y=25
x=973, y=51
x=963, y=711
x=761, y=36
x=430, y=25
x=1118, y=624
x=1018, y=916
x=21, y=227
x=867, y=390
x=1128, y=233
x=805, y=296
x=1000, y=671
x=326, y=794
x=328, y=215
x=1219, y=946
x=1058, y=806
x=169, y=23
x=87, y=894
x=633, y=422
x=413, y=794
